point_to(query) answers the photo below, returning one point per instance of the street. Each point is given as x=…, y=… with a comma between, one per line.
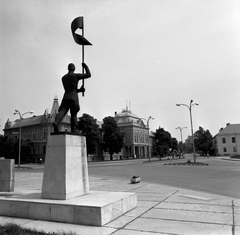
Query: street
x=219, y=177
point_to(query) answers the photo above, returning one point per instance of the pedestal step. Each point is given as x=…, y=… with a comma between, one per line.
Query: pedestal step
x=96, y=208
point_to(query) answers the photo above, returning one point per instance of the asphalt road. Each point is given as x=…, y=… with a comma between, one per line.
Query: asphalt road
x=219, y=177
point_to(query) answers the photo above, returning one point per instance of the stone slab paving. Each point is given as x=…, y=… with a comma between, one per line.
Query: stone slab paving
x=161, y=210
x=177, y=227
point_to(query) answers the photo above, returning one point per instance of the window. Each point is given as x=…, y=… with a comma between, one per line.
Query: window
x=136, y=137
x=233, y=140
x=234, y=149
x=33, y=135
x=224, y=140
x=38, y=134
x=44, y=133
x=29, y=135
x=224, y=150
x=146, y=139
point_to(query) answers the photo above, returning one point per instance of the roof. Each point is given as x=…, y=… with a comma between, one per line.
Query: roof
x=55, y=107
x=26, y=121
x=230, y=129
x=127, y=117
x=126, y=113
x=35, y=120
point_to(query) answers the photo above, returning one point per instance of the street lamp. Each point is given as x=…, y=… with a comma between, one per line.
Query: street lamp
x=181, y=136
x=149, y=153
x=20, y=133
x=190, y=110
x=150, y=117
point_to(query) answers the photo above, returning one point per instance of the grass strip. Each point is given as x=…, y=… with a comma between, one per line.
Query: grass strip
x=14, y=229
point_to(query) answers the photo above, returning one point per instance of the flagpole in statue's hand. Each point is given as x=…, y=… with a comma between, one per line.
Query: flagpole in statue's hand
x=79, y=39
x=82, y=56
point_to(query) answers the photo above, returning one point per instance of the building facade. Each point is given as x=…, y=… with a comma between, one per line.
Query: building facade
x=37, y=129
x=138, y=142
x=227, y=141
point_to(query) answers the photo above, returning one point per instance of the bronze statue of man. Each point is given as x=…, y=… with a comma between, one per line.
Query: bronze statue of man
x=70, y=98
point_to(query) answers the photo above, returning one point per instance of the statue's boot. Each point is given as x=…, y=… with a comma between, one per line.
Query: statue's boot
x=55, y=128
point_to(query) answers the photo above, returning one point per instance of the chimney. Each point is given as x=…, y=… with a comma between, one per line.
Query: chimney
x=115, y=113
x=228, y=124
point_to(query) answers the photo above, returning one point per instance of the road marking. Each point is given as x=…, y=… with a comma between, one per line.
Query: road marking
x=196, y=197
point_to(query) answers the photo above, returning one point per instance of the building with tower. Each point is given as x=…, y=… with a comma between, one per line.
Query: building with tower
x=37, y=129
x=138, y=141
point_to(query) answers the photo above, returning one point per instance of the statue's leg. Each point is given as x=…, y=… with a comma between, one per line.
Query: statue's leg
x=74, y=124
x=74, y=110
x=63, y=109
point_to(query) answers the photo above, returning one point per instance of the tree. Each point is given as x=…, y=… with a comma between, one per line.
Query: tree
x=203, y=140
x=174, y=143
x=112, y=137
x=89, y=127
x=163, y=141
x=9, y=148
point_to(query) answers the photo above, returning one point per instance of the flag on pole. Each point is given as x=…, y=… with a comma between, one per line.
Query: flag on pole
x=79, y=39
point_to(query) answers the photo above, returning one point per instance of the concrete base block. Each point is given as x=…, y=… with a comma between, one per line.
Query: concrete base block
x=96, y=208
x=65, y=170
x=7, y=175
x=6, y=185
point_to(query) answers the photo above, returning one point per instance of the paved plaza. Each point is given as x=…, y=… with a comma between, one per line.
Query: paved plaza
x=161, y=210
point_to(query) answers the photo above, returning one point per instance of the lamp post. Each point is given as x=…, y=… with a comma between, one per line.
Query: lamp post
x=150, y=117
x=190, y=110
x=181, y=136
x=20, y=133
x=149, y=153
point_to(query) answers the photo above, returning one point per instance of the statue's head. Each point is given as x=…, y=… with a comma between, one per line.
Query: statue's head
x=71, y=67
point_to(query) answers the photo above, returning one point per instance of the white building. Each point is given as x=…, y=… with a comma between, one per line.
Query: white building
x=227, y=141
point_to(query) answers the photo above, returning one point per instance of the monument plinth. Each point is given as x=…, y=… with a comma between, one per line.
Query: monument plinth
x=65, y=195
x=65, y=171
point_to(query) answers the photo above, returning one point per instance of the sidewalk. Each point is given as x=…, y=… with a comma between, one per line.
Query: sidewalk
x=161, y=210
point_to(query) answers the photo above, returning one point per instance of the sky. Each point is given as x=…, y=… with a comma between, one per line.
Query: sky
x=147, y=55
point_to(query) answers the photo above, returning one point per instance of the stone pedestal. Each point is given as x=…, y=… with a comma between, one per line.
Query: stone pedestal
x=7, y=175
x=65, y=195
x=65, y=171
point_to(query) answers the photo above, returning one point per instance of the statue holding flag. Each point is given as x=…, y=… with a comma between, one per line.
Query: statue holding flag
x=70, y=81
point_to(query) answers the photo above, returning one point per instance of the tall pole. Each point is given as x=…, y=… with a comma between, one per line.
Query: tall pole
x=82, y=54
x=20, y=134
x=190, y=111
x=194, y=155
x=181, y=136
x=79, y=39
x=149, y=153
